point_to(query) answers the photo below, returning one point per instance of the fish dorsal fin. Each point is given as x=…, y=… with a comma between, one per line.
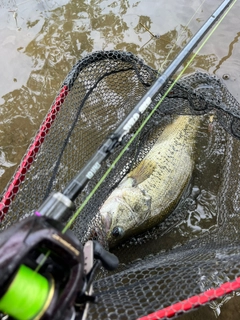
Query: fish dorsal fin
x=143, y=170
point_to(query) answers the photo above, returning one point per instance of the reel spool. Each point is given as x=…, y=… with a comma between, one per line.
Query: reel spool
x=28, y=296
x=46, y=274
x=41, y=270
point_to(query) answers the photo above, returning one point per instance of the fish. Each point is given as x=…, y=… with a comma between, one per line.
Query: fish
x=152, y=190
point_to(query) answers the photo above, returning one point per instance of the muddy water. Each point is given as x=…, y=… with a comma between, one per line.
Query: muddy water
x=41, y=40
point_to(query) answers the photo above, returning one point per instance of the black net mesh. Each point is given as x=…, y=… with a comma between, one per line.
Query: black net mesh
x=197, y=246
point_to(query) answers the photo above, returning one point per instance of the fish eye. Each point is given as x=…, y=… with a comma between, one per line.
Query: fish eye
x=117, y=232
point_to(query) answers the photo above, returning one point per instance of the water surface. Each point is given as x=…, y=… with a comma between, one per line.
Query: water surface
x=41, y=40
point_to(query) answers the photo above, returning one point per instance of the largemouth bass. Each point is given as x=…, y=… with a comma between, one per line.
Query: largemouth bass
x=151, y=191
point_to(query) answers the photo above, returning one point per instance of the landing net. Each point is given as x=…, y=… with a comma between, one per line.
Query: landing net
x=197, y=247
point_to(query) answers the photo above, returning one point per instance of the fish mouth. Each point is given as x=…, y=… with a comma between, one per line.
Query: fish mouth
x=106, y=220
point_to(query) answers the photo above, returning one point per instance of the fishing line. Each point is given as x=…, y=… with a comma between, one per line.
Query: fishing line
x=75, y=215
x=181, y=34
x=125, y=148
x=43, y=285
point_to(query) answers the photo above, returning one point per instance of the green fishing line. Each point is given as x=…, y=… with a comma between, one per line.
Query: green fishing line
x=125, y=148
x=71, y=221
x=26, y=296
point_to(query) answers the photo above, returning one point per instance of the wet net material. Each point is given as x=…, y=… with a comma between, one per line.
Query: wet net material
x=197, y=246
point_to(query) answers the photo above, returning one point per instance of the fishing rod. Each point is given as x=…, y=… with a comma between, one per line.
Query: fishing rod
x=59, y=206
x=45, y=271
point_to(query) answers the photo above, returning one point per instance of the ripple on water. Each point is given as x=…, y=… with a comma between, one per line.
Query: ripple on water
x=231, y=68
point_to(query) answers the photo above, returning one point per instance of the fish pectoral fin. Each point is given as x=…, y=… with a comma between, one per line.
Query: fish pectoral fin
x=143, y=170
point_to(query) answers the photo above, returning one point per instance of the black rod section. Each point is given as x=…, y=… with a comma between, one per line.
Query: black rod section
x=78, y=183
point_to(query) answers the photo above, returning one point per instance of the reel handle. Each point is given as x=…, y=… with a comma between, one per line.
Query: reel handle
x=109, y=260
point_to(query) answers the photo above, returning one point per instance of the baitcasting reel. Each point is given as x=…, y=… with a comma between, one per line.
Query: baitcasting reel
x=45, y=274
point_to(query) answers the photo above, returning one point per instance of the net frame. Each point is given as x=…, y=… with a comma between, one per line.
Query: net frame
x=228, y=116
